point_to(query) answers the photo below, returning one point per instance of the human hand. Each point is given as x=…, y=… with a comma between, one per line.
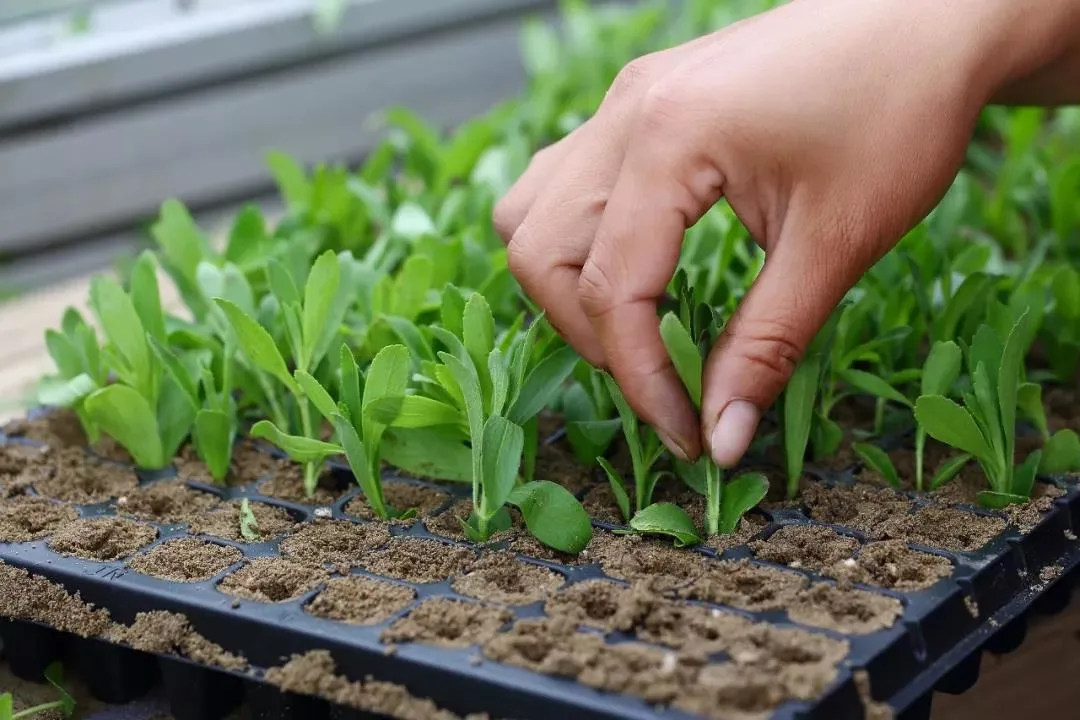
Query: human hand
x=831, y=127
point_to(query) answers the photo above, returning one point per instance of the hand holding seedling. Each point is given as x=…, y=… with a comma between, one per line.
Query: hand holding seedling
x=830, y=126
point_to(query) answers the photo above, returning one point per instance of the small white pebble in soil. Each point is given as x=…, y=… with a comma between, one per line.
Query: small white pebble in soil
x=746, y=657
x=891, y=569
x=850, y=562
x=795, y=564
x=122, y=500
x=668, y=665
x=324, y=513
x=1070, y=535
x=715, y=612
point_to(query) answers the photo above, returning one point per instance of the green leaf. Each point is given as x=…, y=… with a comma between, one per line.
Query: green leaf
x=948, y=470
x=300, y=449
x=387, y=376
x=998, y=500
x=65, y=355
x=453, y=310
x=116, y=313
x=501, y=447
x=1008, y=381
x=798, y=416
x=322, y=286
x=411, y=222
x=214, y=434
x=947, y=422
x=316, y=393
x=873, y=385
x=1029, y=403
x=180, y=239
x=617, y=489
x=543, y=383
x=553, y=515
x=412, y=411
x=684, y=353
x=590, y=438
x=176, y=370
x=428, y=452
x=175, y=417
x=247, y=237
x=468, y=382
x=54, y=674
x=281, y=283
x=479, y=336
x=879, y=461
x=7, y=706
x=411, y=285
x=350, y=385
x=1061, y=454
x=292, y=181
x=146, y=296
x=249, y=525
x=123, y=414
x=666, y=519
x=257, y=344
x=359, y=458
x=500, y=384
x=741, y=495
x=68, y=393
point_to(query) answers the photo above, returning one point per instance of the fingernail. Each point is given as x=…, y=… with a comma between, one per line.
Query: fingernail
x=672, y=445
x=733, y=432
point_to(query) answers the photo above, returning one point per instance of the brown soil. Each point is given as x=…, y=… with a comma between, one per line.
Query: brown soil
x=273, y=580
x=185, y=560
x=811, y=547
x=556, y=462
x=448, y=623
x=749, y=527
x=224, y=522
x=1026, y=517
x=28, y=518
x=594, y=603
x=287, y=484
x=171, y=634
x=419, y=561
x=35, y=599
x=314, y=673
x=846, y=610
x=338, y=543
x=102, y=538
x=654, y=562
x=600, y=503
x=872, y=709
x=248, y=465
x=74, y=476
x=499, y=577
x=170, y=501
x=522, y=543
x=943, y=527
x=861, y=507
x=59, y=429
x=891, y=564
x=1062, y=408
x=746, y=585
x=13, y=461
x=360, y=600
x=401, y=496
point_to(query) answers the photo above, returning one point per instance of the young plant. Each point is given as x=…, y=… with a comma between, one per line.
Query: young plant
x=249, y=525
x=688, y=339
x=80, y=369
x=65, y=705
x=590, y=416
x=985, y=426
x=1061, y=449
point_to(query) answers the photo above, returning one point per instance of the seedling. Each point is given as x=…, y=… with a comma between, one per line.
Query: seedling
x=688, y=337
x=65, y=705
x=249, y=525
x=80, y=369
x=1061, y=449
x=590, y=416
x=985, y=426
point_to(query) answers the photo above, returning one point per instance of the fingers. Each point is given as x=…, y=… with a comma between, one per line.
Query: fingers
x=791, y=299
x=512, y=208
x=664, y=186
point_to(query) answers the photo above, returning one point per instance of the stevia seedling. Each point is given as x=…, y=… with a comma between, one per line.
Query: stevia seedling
x=591, y=419
x=249, y=525
x=65, y=705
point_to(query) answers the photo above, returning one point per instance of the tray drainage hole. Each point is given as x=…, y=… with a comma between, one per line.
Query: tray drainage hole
x=273, y=580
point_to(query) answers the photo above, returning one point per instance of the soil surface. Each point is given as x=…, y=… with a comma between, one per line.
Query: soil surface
x=447, y=524
x=287, y=483
x=862, y=507
x=249, y=464
x=360, y=600
x=337, y=543
x=402, y=496
x=185, y=560
x=943, y=527
x=846, y=610
x=167, y=501
x=502, y=578
x=33, y=598
x=72, y=475
x=592, y=603
x=26, y=518
x=171, y=634
x=224, y=522
x=273, y=580
x=811, y=547
x=106, y=538
x=418, y=561
x=448, y=623
x=891, y=564
x=746, y=585
x=654, y=562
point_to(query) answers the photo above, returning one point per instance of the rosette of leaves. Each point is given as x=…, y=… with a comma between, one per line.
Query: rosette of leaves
x=482, y=394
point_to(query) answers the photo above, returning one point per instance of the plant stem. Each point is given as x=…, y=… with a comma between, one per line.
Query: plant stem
x=713, y=492
x=311, y=469
x=32, y=711
x=641, y=474
x=920, y=445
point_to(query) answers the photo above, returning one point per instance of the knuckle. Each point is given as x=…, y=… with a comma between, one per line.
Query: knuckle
x=661, y=108
x=507, y=217
x=520, y=256
x=595, y=289
x=631, y=79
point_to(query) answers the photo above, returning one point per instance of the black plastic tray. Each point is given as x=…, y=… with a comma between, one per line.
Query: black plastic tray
x=936, y=644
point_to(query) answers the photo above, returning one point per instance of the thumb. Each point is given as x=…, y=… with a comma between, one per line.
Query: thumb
x=760, y=347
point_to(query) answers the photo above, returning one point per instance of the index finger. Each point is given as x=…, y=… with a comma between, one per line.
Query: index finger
x=663, y=187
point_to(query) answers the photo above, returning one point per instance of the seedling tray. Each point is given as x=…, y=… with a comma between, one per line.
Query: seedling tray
x=935, y=643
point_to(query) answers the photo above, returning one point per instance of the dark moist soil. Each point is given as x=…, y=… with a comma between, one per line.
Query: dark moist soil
x=599, y=503
x=102, y=538
x=74, y=476
x=892, y=565
x=448, y=623
x=35, y=599
x=360, y=600
x=224, y=522
x=943, y=527
x=273, y=580
x=810, y=547
x=746, y=585
x=500, y=577
x=27, y=518
x=171, y=634
x=287, y=484
x=338, y=543
x=186, y=560
x=418, y=560
x=846, y=610
x=314, y=673
x=402, y=496
x=170, y=502
x=656, y=563
x=861, y=507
